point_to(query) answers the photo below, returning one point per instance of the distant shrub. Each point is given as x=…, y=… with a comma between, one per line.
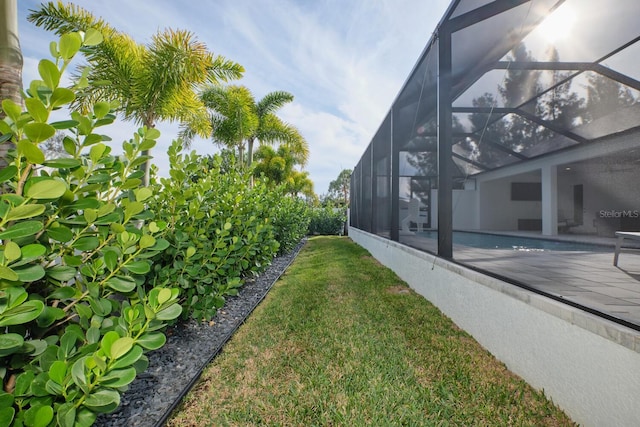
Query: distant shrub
x=290, y=221
x=327, y=221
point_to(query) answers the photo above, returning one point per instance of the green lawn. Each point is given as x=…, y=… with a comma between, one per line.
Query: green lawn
x=342, y=341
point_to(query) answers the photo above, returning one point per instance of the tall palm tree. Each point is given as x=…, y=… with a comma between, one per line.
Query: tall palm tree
x=270, y=128
x=152, y=82
x=233, y=119
x=238, y=119
x=10, y=63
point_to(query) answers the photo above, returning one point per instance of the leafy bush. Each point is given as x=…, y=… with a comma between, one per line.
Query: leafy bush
x=219, y=230
x=76, y=242
x=290, y=220
x=327, y=221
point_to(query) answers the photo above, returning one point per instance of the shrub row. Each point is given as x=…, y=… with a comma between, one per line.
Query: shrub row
x=221, y=229
x=327, y=221
x=93, y=266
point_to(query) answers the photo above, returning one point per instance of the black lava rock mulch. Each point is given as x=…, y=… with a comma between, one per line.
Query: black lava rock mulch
x=174, y=368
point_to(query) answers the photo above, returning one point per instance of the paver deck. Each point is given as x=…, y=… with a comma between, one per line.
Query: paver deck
x=587, y=278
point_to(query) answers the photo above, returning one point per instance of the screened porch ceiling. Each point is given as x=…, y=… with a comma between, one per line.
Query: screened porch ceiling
x=529, y=78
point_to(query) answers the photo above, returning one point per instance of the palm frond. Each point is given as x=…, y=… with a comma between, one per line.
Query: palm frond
x=187, y=108
x=298, y=145
x=114, y=69
x=213, y=96
x=223, y=70
x=199, y=124
x=65, y=18
x=234, y=111
x=271, y=130
x=272, y=102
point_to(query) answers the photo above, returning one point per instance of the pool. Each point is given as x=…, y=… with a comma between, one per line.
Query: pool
x=516, y=243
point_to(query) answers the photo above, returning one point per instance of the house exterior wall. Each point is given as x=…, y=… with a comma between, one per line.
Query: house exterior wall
x=465, y=210
x=608, y=196
x=498, y=211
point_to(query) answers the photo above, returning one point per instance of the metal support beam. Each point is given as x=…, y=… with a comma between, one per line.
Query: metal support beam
x=618, y=77
x=552, y=127
x=484, y=12
x=471, y=162
x=445, y=144
x=526, y=115
x=571, y=66
x=502, y=148
x=544, y=65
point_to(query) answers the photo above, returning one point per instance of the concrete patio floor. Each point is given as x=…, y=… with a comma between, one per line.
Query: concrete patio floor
x=585, y=278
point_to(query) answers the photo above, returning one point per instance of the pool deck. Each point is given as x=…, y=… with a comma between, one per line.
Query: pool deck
x=586, y=278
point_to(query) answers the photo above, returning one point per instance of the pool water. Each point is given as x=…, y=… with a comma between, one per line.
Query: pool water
x=495, y=241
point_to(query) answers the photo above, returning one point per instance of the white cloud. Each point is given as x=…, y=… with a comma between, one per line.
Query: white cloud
x=334, y=140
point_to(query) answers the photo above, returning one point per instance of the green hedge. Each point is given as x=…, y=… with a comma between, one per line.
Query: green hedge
x=77, y=235
x=221, y=229
x=327, y=221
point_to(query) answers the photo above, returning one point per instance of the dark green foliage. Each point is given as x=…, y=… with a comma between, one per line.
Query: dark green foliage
x=327, y=221
x=86, y=250
x=339, y=189
x=290, y=220
x=221, y=229
x=75, y=315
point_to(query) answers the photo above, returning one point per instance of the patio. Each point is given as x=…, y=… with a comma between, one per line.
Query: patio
x=585, y=278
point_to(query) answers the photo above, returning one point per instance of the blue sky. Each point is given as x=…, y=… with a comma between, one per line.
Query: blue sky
x=343, y=60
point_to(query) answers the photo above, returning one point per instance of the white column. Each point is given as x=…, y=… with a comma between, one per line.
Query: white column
x=549, y=200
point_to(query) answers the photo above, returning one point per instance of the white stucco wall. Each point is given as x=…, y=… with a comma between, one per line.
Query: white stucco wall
x=498, y=211
x=465, y=209
x=588, y=366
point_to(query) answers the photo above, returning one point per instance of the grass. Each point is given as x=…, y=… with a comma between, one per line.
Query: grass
x=342, y=341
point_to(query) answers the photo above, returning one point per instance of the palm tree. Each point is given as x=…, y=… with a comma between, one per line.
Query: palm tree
x=233, y=119
x=151, y=83
x=10, y=63
x=300, y=183
x=270, y=128
x=236, y=118
x=278, y=165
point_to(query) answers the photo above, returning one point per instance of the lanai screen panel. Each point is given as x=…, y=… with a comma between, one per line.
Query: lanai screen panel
x=382, y=179
x=552, y=125
x=566, y=80
x=366, y=210
x=355, y=196
x=528, y=80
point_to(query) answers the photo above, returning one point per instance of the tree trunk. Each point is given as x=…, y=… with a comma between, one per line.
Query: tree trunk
x=10, y=63
x=250, y=151
x=241, y=156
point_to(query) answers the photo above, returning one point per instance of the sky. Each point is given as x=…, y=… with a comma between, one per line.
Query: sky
x=344, y=61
